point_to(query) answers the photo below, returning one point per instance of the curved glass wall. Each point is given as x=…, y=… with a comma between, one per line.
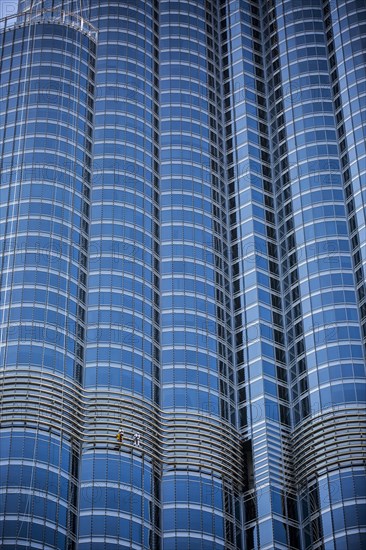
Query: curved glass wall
x=121, y=386
x=200, y=443
x=326, y=355
x=45, y=154
x=345, y=26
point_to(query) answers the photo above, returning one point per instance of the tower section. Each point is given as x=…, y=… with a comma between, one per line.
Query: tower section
x=201, y=470
x=318, y=171
x=46, y=103
x=260, y=354
x=120, y=481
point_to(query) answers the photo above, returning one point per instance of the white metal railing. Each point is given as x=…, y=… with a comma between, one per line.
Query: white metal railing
x=55, y=15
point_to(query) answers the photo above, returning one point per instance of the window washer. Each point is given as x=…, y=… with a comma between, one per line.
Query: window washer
x=136, y=440
x=119, y=435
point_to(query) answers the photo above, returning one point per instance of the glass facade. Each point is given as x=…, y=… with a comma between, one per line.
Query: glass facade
x=183, y=293
x=45, y=159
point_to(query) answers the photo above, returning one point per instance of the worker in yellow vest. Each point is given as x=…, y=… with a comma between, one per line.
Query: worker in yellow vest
x=119, y=435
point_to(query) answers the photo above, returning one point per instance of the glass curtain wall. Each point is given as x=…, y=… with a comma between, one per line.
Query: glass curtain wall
x=195, y=330
x=45, y=124
x=317, y=183
x=200, y=443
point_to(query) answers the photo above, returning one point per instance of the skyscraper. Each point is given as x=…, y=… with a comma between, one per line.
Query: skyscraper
x=183, y=303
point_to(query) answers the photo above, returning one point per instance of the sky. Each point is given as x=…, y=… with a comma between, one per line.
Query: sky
x=8, y=7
